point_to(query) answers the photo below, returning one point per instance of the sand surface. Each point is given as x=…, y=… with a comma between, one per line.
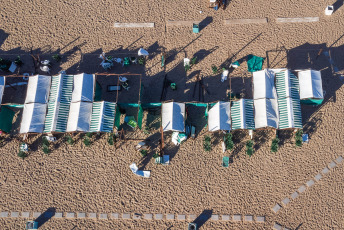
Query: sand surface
x=98, y=179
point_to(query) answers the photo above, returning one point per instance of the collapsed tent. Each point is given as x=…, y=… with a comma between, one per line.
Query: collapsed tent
x=38, y=89
x=242, y=114
x=266, y=113
x=103, y=116
x=287, y=84
x=79, y=118
x=33, y=118
x=59, y=102
x=173, y=114
x=84, y=87
x=264, y=84
x=310, y=85
x=289, y=113
x=219, y=116
x=2, y=87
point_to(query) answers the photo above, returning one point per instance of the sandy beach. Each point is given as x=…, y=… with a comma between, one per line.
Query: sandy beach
x=97, y=179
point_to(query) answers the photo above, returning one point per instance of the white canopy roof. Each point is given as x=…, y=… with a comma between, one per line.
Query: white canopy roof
x=266, y=113
x=83, y=87
x=310, y=84
x=2, y=87
x=33, y=118
x=264, y=84
x=219, y=116
x=173, y=116
x=79, y=118
x=38, y=89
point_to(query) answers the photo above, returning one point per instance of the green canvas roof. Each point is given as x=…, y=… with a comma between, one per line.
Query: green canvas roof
x=287, y=84
x=289, y=113
x=103, y=116
x=242, y=114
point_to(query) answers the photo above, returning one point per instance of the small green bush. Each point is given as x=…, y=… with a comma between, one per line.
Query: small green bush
x=207, y=143
x=155, y=155
x=214, y=69
x=193, y=61
x=298, y=138
x=69, y=140
x=18, y=61
x=22, y=154
x=46, y=149
x=274, y=145
x=249, y=147
x=141, y=60
x=87, y=141
x=187, y=68
x=89, y=135
x=110, y=139
x=57, y=57
x=228, y=141
x=144, y=152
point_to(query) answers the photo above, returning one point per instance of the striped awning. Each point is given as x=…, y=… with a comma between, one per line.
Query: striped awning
x=242, y=114
x=287, y=84
x=103, y=116
x=2, y=87
x=59, y=103
x=289, y=113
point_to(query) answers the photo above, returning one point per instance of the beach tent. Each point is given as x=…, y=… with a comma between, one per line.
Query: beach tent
x=2, y=87
x=242, y=114
x=219, y=116
x=311, y=85
x=79, y=118
x=173, y=114
x=33, y=118
x=264, y=84
x=289, y=113
x=103, y=116
x=38, y=89
x=287, y=84
x=59, y=102
x=84, y=87
x=266, y=113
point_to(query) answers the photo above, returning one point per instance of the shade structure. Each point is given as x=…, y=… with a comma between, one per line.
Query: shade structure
x=2, y=87
x=242, y=114
x=38, y=89
x=79, y=118
x=266, y=113
x=59, y=102
x=173, y=114
x=103, y=116
x=264, y=84
x=289, y=113
x=84, y=86
x=310, y=84
x=33, y=118
x=287, y=84
x=219, y=116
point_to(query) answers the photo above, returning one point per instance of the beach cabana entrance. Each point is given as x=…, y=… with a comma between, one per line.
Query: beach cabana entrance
x=311, y=91
x=173, y=114
x=219, y=117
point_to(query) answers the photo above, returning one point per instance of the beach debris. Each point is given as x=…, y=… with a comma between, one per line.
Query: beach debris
x=50, y=138
x=141, y=146
x=107, y=61
x=305, y=138
x=31, y=225
x=126, y=62
x=45, y=66
x=224, y=75
x=178, y=138
x=142, y=173
x=23, y=150
x=142, y=52
x=164, y=160
x=130, y=120
x=195, y=28
x=124, y=82
x=192, y=226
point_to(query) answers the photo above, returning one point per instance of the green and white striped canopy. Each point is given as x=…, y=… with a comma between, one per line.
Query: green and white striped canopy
x=289, y=113
x=287, y=84
x=242, y=114
x=103, y=116
x=59, y=103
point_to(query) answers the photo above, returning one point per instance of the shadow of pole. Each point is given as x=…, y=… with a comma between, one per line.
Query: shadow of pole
x=203, y=217
x=45, y=216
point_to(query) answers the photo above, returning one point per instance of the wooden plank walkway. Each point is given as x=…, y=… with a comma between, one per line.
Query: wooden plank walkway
x=133, y=25
x=246, y=21
x=297, y=20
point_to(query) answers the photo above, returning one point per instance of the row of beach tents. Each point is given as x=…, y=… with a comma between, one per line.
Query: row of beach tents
x=65, y=103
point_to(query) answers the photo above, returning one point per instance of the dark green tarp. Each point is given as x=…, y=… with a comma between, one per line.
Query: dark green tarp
x=6, y=118
x=98, y=93
x=311, y=101
x=254, y=63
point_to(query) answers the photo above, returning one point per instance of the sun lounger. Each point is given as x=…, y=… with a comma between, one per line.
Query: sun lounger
x=112, y=88
x=225, y=162
x=135, y=170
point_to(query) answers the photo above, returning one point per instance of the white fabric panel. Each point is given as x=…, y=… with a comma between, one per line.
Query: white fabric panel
x=83, y=87
x=173, y=116
x=38, y=89
x=266, y=113
x=79, y=118
x=33, y=118
x=310, y=84
x=2, y=87
x=264, y=84
x=219, y=117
